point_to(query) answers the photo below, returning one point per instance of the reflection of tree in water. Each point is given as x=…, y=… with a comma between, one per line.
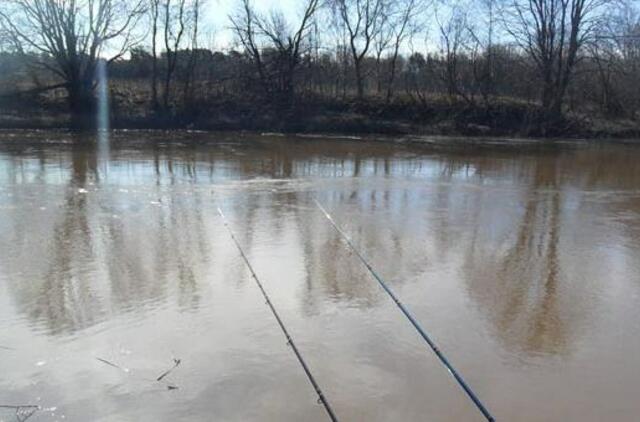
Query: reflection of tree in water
x=68, y=291
x=147, y=254
x=159, y=247
x=518, y=287
x=375, y=218
x=65, y=299
x=330, y=267
x=529, y=282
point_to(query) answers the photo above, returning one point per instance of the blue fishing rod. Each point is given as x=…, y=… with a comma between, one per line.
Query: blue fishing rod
x=411, y=319
x=321, y=397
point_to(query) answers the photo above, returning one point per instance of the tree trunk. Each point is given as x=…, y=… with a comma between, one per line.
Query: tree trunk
x=167, y=83
x=154, y=56
x=81, y=102
x=359, y=81
x=392, y=74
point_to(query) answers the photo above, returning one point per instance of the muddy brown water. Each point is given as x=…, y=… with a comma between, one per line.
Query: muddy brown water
x=523, y=263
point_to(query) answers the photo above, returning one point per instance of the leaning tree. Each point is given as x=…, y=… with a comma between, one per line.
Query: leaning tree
x=70, y=37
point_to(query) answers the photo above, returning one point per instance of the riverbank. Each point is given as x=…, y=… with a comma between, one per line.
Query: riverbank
x=438, y=116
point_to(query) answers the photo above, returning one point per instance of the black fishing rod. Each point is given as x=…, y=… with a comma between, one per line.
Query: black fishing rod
x=321, y=397
x=410, y=317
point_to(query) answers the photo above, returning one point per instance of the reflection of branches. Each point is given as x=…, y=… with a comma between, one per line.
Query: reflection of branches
x=332, y=267
x=149, y=255
x=63, y=294
x=332, y=263
x=545, y=326
x=525, y=284
x=535, y=257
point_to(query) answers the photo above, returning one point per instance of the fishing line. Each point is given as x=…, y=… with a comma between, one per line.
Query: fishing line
x=411, y=319
x=321, y=397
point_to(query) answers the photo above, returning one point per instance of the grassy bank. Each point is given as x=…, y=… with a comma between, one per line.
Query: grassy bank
x=315, y=114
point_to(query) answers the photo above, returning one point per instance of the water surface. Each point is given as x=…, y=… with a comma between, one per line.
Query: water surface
x=522, y=263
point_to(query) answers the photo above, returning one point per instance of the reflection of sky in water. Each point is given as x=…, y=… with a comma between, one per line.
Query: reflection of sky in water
x=522, y=265
x=197, y=172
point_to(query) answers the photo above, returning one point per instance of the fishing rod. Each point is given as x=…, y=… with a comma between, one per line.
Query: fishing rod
x=321, y=397
x=411, y=319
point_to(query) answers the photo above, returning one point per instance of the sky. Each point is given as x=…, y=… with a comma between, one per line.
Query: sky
x=219, y=37
x=217, y=11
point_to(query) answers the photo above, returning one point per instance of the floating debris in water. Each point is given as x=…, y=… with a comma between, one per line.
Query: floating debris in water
x=113, y=364
x=23, y=412
x=82, y=190
x=176, y=362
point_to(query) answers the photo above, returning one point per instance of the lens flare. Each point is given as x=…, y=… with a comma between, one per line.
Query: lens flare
x=102, y=114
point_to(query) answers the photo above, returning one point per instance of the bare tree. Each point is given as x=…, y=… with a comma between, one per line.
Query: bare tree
x=341, y=55
x=612, y=63
x=154, y=9
x=196, y=10
x=453, y=38
x=403, y=25
x=552, y=32
x=245, y=27
x=71, y=36
x=381, y=44
x=483, y=51
x=363, y=20
x=175, y=23
x=274, y=46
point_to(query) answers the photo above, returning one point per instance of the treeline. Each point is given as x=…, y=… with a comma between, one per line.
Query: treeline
x=552, y=57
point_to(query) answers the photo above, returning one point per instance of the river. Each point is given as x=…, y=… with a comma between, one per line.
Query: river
x=521, y=260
